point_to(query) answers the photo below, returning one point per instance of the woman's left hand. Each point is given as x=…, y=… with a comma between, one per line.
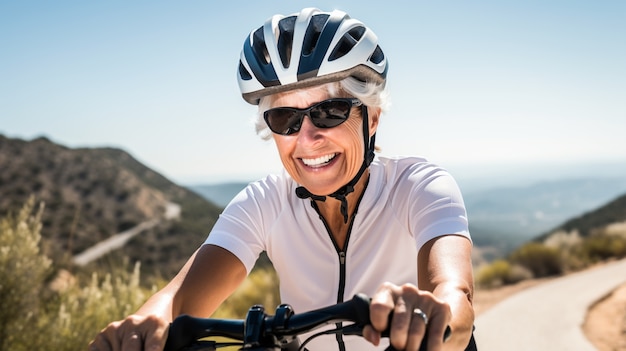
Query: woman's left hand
x=413, y=311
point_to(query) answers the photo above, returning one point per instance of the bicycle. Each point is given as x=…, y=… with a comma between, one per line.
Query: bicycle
x=263, y=332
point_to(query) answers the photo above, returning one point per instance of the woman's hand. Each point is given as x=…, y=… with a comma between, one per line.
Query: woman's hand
x=134, y=333
x=412, y=310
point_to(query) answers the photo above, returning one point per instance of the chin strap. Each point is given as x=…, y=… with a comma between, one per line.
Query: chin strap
x=341, y=193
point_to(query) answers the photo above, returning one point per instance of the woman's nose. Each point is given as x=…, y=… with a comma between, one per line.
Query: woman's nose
x=308, y=130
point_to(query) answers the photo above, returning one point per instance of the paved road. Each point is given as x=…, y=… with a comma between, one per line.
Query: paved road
x=172, y=212
x=548, y=316
x=112, y=243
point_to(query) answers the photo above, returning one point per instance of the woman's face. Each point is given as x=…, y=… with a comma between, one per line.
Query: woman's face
x=321, y=159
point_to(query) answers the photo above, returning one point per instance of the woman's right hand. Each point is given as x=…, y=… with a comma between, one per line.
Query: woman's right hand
x=134, y=333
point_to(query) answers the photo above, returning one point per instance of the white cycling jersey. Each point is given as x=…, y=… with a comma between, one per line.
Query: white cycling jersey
x=408, y=201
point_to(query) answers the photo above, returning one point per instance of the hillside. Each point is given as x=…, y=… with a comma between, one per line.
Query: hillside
x=91, y=194
x=608, y=219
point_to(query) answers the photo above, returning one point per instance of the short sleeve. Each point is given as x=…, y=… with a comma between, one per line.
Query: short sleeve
x=436, y=207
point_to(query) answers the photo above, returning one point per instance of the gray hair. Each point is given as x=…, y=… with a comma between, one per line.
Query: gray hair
x=371, y=94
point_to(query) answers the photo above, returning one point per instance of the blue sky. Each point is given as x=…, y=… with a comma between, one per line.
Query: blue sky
x=473, y=83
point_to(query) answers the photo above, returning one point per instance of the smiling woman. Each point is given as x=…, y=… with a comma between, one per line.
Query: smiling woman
x=338, y=221
x=306, y=144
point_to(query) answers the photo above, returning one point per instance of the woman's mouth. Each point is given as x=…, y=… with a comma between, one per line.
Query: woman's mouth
x=318, y=161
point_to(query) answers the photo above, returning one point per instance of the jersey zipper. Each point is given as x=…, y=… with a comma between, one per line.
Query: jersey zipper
x=341, y=254
x=342, y=285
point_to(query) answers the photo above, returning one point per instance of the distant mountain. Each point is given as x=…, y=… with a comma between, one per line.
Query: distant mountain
x=507, y=217
x=608, y=218
x=91, y=194
x=220, y=194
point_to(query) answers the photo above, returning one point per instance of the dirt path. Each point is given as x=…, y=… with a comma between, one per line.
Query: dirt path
x=605, y=325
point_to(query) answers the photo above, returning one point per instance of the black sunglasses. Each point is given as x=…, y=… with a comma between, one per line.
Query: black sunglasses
x=325, y=114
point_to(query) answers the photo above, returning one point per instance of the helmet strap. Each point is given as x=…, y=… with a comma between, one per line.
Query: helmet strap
x=341, y=193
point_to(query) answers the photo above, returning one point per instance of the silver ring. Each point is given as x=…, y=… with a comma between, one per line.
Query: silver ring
x=421, y=313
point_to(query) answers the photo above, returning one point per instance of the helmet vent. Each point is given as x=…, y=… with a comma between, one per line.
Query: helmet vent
x=243, y=72
x=285, y=39
x=377, y=56
x=346, y=43
x=259, y=47
x=312, y=35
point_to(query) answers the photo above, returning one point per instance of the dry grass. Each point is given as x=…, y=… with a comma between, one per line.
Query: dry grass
x=605, y=325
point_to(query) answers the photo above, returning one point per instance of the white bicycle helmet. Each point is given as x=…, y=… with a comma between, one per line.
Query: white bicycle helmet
x=305, y=49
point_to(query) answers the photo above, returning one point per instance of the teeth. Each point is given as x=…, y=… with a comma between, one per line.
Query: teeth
x=312, y=162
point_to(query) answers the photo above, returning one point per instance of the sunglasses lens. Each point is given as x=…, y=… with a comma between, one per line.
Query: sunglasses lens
x=326, y=114
x=283, y=120
x=330, y=113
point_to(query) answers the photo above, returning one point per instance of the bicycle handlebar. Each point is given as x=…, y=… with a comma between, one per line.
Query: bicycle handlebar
x=260, y=331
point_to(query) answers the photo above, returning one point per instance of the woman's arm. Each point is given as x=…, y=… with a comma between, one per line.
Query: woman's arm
x=210, y=275
x=445, y=269
x=213, y=275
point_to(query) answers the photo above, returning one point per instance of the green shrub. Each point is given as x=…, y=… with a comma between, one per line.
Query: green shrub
x=493, y=274
x=602, y=247
x=34, y=316
x=80, y=312
x=501, y=272
x=23, y=270
x=541, y=260
x=574, y=260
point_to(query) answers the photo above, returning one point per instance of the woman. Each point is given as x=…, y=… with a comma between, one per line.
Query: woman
x=337, y=222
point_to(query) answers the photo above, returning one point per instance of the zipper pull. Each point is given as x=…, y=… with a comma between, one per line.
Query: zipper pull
x=342, y=257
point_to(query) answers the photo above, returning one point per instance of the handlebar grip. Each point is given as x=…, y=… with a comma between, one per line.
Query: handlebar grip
x=179, y=334
x=185, y=330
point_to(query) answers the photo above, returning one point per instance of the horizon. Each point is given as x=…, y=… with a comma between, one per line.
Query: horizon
x=472, y=177
x=482, y=176
x=473, y=84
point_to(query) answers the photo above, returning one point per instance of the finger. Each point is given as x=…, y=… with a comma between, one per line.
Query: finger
x=132, y=341
x=417, y=329
x=108, y=338
x=381, y=305
x=129, y=334
x=156, y=338
x=436, y=329
x=100, y=343
x=400, y=324
x=372, y=335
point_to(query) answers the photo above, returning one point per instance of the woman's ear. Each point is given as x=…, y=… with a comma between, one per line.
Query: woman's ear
x=373, y=116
